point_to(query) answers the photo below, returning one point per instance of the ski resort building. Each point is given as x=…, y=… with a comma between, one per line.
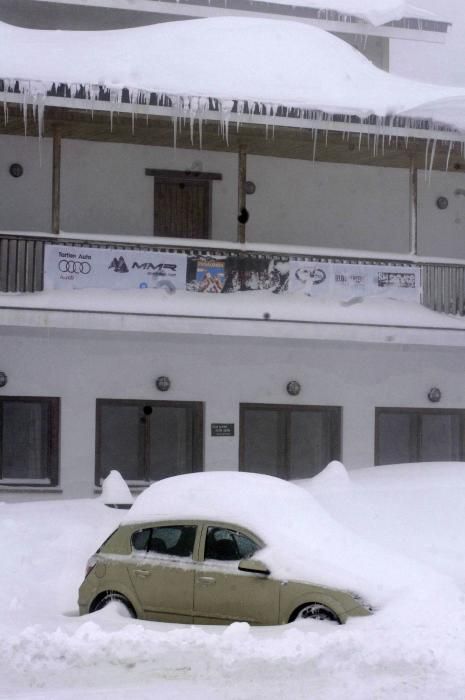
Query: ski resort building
x=229, y=239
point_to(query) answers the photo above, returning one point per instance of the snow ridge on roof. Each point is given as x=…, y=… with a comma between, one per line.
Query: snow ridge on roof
x=195, y=67
x=376, y=12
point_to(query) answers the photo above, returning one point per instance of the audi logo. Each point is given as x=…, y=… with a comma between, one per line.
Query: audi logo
x=76, y=266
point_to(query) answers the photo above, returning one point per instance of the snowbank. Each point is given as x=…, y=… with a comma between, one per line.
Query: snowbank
x=405, y=508
x=412, y=649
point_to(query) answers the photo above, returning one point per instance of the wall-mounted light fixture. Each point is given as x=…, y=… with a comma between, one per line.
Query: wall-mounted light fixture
x=442, y=203
x=293, y=388
x=434, y=394
x=16, y=170
x=162, y=383
x=3, y=379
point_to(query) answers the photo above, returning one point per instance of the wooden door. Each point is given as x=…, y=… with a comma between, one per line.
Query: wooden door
x=182, y=208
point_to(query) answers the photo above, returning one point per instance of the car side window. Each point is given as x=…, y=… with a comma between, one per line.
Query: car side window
x=227, y=545
x=174, y=540
x=140, y=539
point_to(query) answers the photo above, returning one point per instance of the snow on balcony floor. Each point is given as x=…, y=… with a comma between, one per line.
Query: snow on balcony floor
x=259, y=306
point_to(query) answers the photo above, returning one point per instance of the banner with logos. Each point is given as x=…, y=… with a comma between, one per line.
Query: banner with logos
x=347, y=281
x=73, y=267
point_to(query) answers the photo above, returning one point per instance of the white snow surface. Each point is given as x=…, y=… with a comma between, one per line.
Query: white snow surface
x=410, y=649
x=248, y=305
x=256, y=62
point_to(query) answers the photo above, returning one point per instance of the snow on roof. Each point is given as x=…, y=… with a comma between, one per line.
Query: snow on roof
x=302, y=541
x=375, y=12
x=219, y=65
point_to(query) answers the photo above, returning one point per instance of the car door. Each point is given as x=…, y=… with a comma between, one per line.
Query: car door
x=224, y=594
x=162, y=570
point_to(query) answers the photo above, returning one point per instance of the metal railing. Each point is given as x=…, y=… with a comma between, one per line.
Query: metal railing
x=22, y=265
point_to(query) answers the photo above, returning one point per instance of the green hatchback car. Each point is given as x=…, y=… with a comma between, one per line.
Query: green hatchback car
x=202, y=571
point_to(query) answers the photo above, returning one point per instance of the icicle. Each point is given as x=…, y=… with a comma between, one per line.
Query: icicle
x=433, y=152
x=448, y=155
x=24, y=109
x=175, y=130
x=426, y=159
x=315, y=140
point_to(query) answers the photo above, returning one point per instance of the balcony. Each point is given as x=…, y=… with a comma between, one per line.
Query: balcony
x=22, y=262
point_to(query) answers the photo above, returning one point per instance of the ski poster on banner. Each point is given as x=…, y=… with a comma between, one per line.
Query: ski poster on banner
x=237, y=274
x=209, y=276
x=73, y=267
x=345, y=281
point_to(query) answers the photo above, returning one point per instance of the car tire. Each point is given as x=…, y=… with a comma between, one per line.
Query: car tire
x=112, y=597
x=314, y=611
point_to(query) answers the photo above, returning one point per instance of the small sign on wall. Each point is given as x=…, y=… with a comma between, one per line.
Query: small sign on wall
x=222, y=429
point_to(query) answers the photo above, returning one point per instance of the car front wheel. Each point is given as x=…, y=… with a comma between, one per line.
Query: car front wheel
x=314, y=611
x=113, y=597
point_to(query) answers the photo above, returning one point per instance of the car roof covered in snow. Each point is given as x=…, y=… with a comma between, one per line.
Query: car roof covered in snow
x=302, y=540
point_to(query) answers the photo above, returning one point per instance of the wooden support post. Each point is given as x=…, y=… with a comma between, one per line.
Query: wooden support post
x=56, y=179
x=413, y=205
x=241, y=198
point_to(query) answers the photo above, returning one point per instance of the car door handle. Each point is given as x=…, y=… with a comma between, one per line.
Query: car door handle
x=142, y=572
x=207, y=580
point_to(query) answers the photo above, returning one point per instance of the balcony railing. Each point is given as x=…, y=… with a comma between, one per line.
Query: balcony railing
x=22, y=265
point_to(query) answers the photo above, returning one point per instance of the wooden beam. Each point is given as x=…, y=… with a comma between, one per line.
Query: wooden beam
x=286, y=142
x=241, y=194
x=413, y=205
x=182, y=175
x=56, y=179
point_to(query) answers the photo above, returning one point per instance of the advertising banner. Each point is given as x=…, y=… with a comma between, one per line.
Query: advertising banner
x=237, y=274
x=345, y=281
x=70, y=267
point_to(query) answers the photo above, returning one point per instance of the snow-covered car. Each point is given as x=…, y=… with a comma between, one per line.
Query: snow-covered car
x=218, y=547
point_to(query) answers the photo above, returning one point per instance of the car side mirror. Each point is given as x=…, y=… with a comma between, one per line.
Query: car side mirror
x=254, y=566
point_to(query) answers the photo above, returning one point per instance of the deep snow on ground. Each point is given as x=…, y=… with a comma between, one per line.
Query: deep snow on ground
x=412, y=648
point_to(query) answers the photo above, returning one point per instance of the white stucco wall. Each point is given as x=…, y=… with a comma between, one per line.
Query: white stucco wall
x=80, y=367
x=105, y=190
x=25, y=203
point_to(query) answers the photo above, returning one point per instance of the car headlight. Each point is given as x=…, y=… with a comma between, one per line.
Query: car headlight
x=361, y=601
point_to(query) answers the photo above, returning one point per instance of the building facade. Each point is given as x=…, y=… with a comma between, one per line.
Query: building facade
x=259, y=379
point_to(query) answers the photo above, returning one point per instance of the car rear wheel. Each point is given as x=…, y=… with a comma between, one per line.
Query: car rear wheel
x=113, y=597
x=314, y=611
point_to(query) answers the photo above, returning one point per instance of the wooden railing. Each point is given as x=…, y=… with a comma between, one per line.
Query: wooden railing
x=22, y=265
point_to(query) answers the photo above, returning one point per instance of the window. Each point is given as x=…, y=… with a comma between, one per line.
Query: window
x=173, y=540
x=182, y=203
x=228, y=545
x=419, y=435
x=29, y=429
x=292, y=442
x=147, y=441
